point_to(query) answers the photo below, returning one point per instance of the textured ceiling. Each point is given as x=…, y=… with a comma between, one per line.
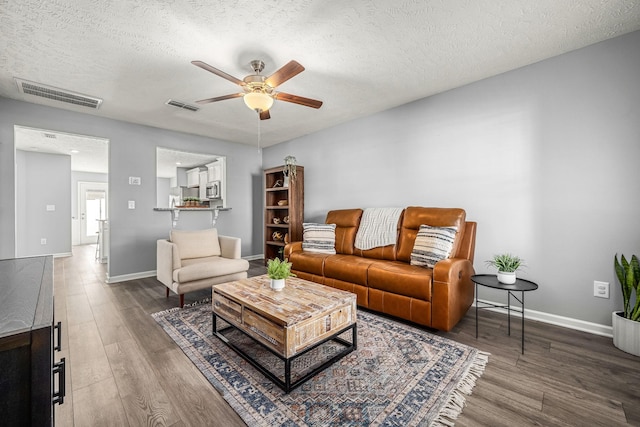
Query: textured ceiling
x=361, y=56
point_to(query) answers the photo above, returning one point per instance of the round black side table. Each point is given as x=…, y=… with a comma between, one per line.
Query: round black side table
x=491, y=281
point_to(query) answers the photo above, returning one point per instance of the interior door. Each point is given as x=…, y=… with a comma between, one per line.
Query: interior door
x=93, y=207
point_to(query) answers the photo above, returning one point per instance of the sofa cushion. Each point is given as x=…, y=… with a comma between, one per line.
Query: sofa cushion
x=309, y=262
x=432, y=244
x=347, y=222
x=204, y=268
x=320, y=238
x=415, y=216
x=402, y=279
x=196, y=243
x=348, y=268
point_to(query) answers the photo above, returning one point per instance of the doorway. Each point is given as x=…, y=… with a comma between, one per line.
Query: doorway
x=92, y=208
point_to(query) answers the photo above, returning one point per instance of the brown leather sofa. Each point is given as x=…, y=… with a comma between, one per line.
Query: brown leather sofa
x=383, y=279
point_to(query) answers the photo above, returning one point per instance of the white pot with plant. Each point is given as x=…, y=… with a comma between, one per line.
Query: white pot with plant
x=278, y=271
x=507, y=265
x=626, y=323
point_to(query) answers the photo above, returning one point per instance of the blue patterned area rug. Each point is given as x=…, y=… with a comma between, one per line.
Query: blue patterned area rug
x=398, y=376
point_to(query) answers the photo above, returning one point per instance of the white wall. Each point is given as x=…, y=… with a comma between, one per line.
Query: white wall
x=43, y=180
x=544, y=158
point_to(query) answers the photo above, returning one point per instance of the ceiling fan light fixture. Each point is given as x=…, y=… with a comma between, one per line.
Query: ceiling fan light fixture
x=258, y=101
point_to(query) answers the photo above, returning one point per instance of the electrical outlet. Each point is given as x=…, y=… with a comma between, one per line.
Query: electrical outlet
x=132, y=204
x=600, y=289
x=43, y=241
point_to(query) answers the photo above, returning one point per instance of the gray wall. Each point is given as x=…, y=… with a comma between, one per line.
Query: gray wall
x=544, y=158
x=43, y=179
x=132, y=152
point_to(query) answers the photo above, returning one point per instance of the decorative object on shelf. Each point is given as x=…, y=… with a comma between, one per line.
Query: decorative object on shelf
x=277, y=236
x=626, y=323
x=282, y=203
x=278, y=271
x=277, y=184
x=286, y=219
x=276, y=220
x=286, y=238
x=507, y=265
x=191, y=202
x=289, y=169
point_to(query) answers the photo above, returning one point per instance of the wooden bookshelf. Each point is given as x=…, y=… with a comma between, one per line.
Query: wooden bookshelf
x=294, y=209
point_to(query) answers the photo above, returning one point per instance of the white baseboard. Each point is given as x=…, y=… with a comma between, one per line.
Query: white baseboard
x=62, y=255
x=132, y=276
x=554, y=319
x=253, y=257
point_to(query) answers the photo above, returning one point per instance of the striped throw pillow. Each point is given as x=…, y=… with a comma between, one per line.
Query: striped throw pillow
x=319, y=238
x=432, y=245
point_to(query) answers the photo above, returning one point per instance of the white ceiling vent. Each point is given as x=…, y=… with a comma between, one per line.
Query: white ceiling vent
x=182, y=105
x=57, y=94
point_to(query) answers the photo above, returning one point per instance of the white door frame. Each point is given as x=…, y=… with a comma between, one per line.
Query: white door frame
x=83, y=187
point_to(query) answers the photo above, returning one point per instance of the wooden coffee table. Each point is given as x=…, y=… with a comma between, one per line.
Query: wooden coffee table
x=288, y=323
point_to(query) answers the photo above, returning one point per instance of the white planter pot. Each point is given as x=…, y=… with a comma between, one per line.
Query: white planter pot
x=508, y=278
x=277, y=284
x=626, y=333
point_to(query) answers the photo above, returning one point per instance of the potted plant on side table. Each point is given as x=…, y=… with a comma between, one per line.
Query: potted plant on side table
x=507, y=265
x=278, y=271
x=626, y=323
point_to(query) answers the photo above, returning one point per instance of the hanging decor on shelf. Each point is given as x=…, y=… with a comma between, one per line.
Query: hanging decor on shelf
x=289, y=169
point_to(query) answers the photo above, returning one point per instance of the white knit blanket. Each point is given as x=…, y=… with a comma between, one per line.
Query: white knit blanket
x=378, y=227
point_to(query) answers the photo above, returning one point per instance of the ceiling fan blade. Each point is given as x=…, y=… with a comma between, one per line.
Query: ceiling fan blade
x=289, y=70
x=219, y=98
x=307, y=102
x=217, y=72
x=264, y=115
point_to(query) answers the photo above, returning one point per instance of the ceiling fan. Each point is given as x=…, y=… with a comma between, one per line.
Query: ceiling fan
x=259, y=91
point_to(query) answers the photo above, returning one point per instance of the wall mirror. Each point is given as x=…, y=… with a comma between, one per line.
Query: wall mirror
x=185, y=179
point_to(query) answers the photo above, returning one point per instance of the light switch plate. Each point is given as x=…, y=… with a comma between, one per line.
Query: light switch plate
x=132, y=204
x=51, y=208
x=134, y=180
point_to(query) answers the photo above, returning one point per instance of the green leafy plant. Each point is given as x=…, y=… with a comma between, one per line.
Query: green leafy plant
x=628, y=273
x=506, y=263
x=277, y=269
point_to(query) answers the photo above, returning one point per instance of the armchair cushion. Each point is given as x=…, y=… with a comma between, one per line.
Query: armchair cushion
x=204, y=268
x=196, y=243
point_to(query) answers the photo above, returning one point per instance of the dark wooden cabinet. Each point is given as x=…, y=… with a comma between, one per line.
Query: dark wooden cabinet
x=284, y=210
x=28, y=338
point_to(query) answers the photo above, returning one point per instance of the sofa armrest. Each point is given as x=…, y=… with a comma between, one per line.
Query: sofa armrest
x=291, y=248
x=453, y=292
x=230, y=247
x=167, y=260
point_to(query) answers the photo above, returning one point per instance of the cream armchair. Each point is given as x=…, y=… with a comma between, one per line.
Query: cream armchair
x=194, y=260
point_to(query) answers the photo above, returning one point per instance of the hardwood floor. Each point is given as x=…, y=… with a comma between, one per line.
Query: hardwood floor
x=123, y=370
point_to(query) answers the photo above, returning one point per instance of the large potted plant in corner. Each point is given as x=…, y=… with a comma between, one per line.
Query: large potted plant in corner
x=278, y=271
x=507, y=265
x=626, y=323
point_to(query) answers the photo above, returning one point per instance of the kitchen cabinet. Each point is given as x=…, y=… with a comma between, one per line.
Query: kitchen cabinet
x=28, y=338
x=215, y=170
x=193, y=177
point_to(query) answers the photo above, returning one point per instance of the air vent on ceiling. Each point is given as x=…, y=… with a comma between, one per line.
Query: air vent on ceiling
x=57, y=94
x=182, y=105
x=50, y=135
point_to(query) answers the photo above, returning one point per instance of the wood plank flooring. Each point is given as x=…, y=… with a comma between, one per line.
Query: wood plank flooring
x=123, y=370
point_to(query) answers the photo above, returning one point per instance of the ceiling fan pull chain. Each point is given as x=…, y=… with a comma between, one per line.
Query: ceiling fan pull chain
x=259, y=149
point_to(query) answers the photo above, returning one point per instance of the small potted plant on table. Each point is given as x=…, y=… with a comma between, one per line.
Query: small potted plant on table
x=626, y=323
x=507, y=265
x=278, y=271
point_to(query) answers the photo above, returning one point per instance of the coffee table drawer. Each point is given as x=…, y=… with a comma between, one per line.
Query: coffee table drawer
x=264, y=330
x=227, y=308
x=314, y=330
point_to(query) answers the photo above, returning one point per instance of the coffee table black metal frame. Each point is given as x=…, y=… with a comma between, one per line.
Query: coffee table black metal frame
x=287, y=385
x=491, y=281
